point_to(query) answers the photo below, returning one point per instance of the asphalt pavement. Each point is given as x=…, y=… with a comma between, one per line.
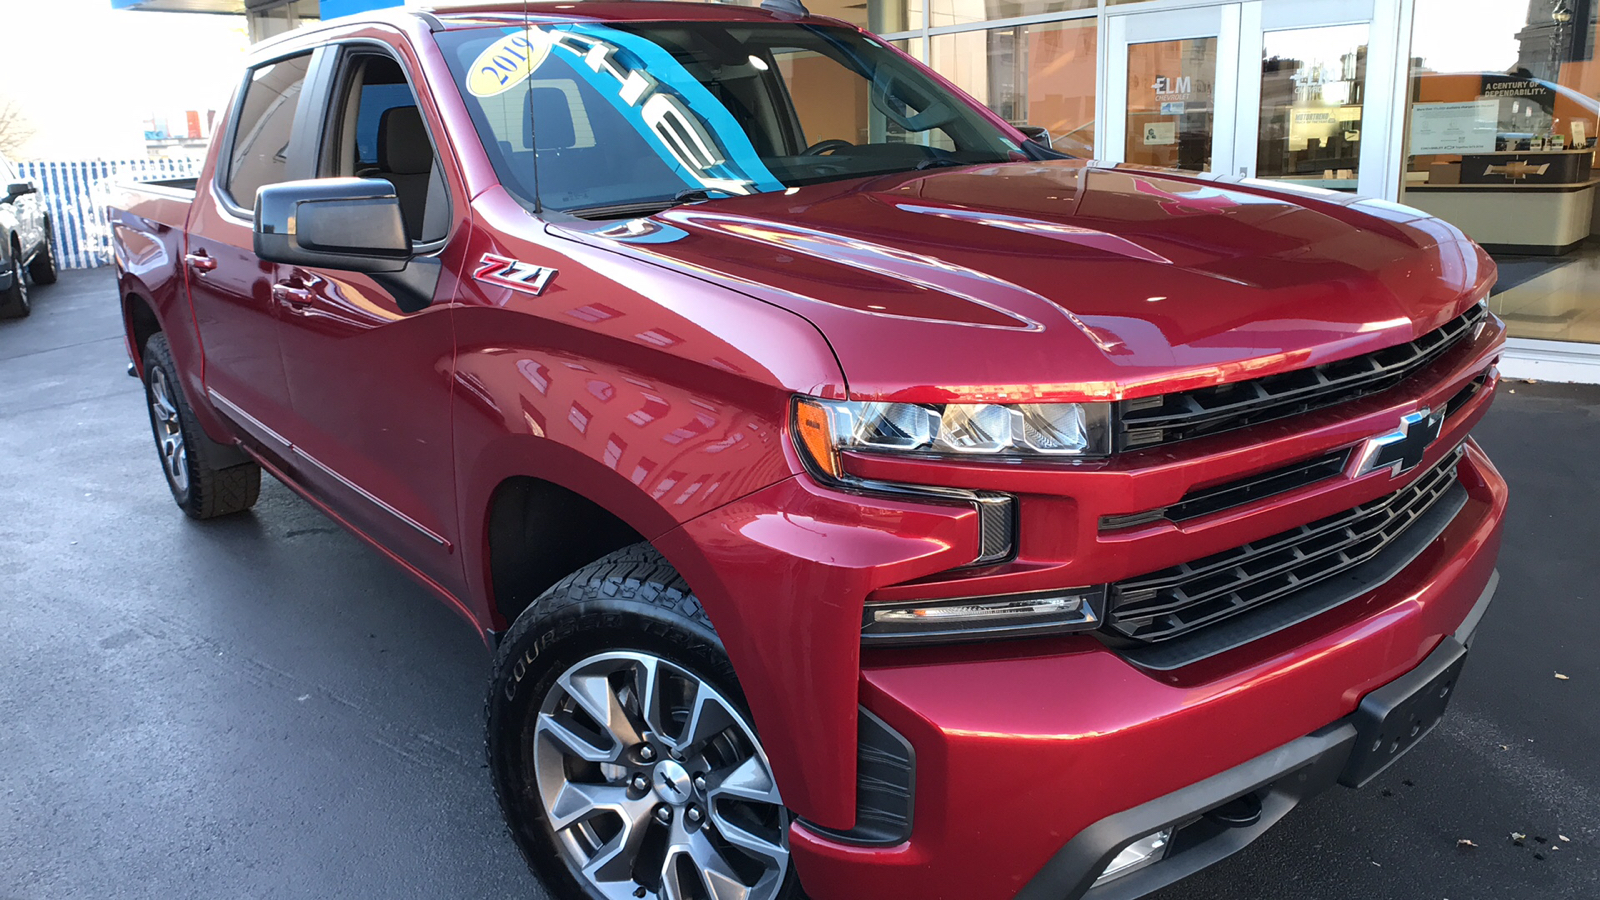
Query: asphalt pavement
x=262, y=707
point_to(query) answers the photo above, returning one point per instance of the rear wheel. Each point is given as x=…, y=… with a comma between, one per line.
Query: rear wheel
x=621, y=749
x=14, y=300
x=43, y=268
x=201, y=489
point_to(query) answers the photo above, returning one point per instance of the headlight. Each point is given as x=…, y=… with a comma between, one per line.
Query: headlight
x=825, y=428
x=975, y=618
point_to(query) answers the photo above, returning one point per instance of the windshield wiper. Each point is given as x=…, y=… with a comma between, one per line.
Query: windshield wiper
x=635, y=208
x=941, y=161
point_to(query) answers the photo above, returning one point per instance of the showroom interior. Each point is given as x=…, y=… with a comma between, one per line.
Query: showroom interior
x=1482, y=112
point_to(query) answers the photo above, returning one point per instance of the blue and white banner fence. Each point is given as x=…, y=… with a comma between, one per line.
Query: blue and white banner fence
x=77, y=192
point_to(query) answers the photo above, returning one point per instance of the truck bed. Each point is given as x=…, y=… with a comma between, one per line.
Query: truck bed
x=147, y=218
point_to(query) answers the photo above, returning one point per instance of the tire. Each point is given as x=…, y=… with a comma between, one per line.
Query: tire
x=43, y=268
x=200, y=489
x=592, y=642
x=14, y=302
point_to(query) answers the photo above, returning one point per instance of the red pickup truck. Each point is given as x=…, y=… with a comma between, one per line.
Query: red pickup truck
x=857, y=492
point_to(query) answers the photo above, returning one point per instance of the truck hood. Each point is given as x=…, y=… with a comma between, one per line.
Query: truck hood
x=1071, y=280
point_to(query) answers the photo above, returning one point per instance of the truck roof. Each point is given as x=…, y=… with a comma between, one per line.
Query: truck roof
x=508, y=11
x=601, y=11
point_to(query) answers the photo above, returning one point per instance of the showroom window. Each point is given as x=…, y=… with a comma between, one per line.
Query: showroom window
x=1502, y=124
x=1040, y=71
x=967, y=12
x=1312, y=81
x=1030, y=74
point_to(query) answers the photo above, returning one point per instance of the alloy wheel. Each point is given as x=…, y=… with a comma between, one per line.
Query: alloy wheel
x=169, y=430
x=21, y=284
x=655, y=786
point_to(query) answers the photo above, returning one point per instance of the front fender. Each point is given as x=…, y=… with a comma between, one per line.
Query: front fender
x=651, y=451
x=784, y=574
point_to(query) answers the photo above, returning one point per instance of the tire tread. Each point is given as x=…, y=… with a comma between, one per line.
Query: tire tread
x=212, y=492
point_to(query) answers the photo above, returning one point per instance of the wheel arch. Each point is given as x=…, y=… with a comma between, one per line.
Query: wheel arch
x=535, y=491
x=523, y=488
x=141, y=321
x=538, y=532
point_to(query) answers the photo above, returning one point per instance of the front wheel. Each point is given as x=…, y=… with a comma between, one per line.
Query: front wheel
x=621, y=749
x=43, y=269
x=14, y=302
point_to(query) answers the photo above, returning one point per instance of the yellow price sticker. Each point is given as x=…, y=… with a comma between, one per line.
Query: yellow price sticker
x=507, y=62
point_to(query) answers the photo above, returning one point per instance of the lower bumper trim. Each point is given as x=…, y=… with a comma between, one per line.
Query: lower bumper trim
x=1277, y=780
x=1287, y=775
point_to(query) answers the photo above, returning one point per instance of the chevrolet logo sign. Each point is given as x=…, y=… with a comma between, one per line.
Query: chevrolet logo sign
x=1400, y=450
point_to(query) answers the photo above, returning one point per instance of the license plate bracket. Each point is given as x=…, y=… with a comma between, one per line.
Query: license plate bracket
x=1393, y=718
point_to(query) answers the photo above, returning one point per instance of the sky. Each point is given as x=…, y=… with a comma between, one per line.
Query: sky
x=87, y=76
x=1466, y=35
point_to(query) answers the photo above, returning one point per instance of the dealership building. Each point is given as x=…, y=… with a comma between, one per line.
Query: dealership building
x=1482, y=112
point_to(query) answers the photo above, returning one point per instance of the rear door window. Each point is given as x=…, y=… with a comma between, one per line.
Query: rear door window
x=260, y=153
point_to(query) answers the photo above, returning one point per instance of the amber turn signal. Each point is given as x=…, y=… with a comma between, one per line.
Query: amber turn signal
x=814, y=433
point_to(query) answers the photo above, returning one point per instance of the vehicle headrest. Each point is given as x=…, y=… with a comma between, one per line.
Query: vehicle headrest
x=403, y=147
x=550, y=108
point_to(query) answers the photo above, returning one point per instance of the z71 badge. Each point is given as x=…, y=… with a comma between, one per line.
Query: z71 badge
x=509, y=273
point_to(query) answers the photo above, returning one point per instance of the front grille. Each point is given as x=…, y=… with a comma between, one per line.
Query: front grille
x=1175, y=601
x=1205, y=501
x=1465, y=395
x=1165, y=419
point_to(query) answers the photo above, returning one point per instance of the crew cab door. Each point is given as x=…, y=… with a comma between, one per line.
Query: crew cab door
x=370, y=369
x=232, y=289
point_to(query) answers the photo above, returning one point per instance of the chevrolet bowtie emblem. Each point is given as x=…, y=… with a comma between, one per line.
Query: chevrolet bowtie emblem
x=1400, y=450
x=1518, y=169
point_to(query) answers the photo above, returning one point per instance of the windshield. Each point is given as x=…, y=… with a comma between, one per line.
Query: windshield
x=606, y=120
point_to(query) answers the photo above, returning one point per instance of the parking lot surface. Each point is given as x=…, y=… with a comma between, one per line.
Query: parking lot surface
x=262, y=707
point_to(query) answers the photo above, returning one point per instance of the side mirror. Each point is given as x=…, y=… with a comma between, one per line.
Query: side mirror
x=20, y=188
x=353, y=224
x=1040, y=136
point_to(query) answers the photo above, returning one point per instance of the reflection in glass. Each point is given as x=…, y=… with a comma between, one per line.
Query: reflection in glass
x=877, y=16
x=1171, y=103
x=1519, y=84
x=1311, y=95
x=701, y=107
x=1040, y=75
x=962, y=12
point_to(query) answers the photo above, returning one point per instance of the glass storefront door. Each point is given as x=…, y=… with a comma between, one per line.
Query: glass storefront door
x=1170, y=81
x=1271, y=89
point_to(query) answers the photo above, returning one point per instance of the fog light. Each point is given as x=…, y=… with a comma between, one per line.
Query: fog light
x=1141, y=853
x=1049, y=612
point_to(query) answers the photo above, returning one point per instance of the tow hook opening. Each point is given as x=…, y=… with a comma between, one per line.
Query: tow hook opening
x=1240, y=812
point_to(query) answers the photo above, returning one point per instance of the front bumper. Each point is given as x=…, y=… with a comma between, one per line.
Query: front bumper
x=1272, y=784
x=1036, y=761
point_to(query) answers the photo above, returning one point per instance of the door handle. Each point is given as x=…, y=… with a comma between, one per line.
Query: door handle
x=291, y=296
x=200, y=262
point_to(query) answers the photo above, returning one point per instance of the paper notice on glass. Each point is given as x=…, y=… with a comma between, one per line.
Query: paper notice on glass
x=1454, y=127
x=1159, y=134
x=1580, y=134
